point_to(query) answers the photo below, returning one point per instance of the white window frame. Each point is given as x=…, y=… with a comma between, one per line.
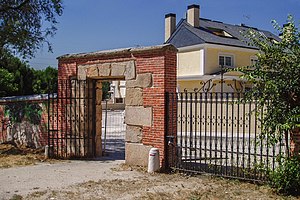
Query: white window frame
x=226, y=56
x=253, y=60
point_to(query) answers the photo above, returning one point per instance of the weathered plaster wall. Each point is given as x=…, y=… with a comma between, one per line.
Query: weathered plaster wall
x=24, y=123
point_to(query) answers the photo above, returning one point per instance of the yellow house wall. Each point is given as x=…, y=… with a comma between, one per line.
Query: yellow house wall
x=191, y=85
x=188, y=85
x=212, y=58
x=188, y=63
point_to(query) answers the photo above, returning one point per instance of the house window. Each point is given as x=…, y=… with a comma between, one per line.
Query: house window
x=253, y=60
x=226, y=60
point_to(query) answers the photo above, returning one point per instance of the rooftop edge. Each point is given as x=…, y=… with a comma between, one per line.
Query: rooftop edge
x=118, y=51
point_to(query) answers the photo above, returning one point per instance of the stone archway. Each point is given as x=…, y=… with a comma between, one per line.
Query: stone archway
x=105, y=71
x=149, y=72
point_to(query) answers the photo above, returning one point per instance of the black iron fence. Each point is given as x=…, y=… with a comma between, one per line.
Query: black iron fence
x=219, y=134
x=72, y=119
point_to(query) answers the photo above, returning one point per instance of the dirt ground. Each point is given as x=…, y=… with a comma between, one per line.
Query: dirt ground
x=11, y=156
x=110, y=179
x=160, y=186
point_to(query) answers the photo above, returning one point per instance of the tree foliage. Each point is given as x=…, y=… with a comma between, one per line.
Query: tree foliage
x=45, y=81
x=25, y=25
x=17, y=78
x=276, y=79
x=286, y=177
x=7, y=84
x=105, y=90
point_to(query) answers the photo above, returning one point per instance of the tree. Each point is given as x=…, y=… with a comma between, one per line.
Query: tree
x=7, y=84
x=276, y=88
x=105, y=90
x=45, y=81
x=22, y=27
x=23, y=75
x=276, y=80
x=18, y=78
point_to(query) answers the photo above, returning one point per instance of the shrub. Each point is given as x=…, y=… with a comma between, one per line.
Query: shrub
x=286, y=177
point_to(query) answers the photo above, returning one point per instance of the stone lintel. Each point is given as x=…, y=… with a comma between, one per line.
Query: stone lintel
x=92, y=71
x=103, y=69
x=117, y=70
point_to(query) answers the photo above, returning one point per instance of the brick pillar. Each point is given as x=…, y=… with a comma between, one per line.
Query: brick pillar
x=149, y=72
x=156, y=75
x=295, y=142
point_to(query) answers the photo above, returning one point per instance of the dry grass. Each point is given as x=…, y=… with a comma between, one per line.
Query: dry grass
x=148, y=186
x=11, y=156
x=160, y=187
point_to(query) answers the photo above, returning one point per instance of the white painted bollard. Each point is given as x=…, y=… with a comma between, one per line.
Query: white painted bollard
x=46, y=151
x=153, y=162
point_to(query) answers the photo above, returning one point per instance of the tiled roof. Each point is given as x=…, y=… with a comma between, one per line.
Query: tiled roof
x=187, y=35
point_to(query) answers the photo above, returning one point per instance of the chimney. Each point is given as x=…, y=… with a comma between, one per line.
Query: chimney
x=193, y=14
x=170, y=25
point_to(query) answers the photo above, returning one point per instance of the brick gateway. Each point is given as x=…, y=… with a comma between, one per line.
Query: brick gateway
x=75, y=126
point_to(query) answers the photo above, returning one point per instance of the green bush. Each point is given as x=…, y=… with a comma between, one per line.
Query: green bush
x=286, y=177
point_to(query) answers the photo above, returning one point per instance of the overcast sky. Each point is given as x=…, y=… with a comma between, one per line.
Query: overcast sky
x=93, y=25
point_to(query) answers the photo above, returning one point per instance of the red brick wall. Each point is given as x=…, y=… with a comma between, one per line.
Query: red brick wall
x=295, y=142
x=161, y=63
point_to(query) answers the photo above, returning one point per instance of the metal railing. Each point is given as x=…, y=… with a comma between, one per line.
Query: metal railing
x=219, y=134
x=113, y=133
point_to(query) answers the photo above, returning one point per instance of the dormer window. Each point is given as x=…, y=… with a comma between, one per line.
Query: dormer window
x=220, y=32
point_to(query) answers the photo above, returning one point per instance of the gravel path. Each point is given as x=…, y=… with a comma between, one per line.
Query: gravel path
x=25, y=180
x=111, y=179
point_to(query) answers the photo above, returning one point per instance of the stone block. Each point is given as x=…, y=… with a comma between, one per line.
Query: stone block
x=136, y=154
x=92, y=71
x=133, y=134
x=134, y=97
x=142, y=81
x=130, y=70
x=104, y=69
x=138, y=116
x=81, y=73
x=118, y=69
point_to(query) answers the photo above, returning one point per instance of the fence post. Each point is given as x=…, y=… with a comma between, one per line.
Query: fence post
x=167, y=139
